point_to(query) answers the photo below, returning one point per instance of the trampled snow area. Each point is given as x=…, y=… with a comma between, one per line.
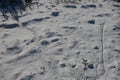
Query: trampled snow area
x=62, y=42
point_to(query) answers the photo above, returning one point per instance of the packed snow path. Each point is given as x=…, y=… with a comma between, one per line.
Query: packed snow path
x=52, y=42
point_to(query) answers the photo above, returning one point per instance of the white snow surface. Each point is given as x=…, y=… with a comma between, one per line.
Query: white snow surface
x=47, y=47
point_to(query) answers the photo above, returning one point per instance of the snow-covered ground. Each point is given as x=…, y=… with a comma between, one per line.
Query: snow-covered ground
x=62, y=42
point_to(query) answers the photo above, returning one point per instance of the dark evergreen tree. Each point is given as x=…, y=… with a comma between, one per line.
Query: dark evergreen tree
x=13, y=6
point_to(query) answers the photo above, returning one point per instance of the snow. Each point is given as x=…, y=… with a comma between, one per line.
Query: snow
x=51, y=42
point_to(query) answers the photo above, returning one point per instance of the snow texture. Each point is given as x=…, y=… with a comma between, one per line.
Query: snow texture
x=61, y=41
